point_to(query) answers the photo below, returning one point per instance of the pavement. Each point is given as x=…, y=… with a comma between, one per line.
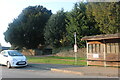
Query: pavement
x=91, y=71
x=80, y=70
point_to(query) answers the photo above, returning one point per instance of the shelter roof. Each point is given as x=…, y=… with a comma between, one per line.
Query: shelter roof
x=101, y=37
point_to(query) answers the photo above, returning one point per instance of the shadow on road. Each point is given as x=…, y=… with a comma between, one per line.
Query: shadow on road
x=49, y=66
x=46, y=66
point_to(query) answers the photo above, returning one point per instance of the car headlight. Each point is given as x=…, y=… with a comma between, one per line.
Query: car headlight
x=25, y=59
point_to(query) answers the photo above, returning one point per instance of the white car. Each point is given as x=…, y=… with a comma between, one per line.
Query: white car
x=12, y=58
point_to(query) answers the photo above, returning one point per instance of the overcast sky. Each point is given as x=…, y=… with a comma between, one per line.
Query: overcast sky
x=10, y=9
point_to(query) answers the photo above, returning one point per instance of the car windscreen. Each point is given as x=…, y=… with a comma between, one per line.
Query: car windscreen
x=14, y=53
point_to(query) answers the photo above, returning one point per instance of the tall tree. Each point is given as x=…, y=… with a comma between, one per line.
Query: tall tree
x=28, y=29
x=77, y=21
x=55, y=29
x=107, y=16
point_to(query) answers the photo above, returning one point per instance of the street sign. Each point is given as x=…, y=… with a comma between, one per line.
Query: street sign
x=75, y=34
x=95, y=55
x=75, y=48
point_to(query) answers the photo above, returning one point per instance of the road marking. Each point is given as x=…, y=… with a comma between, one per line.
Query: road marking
x=67, y=71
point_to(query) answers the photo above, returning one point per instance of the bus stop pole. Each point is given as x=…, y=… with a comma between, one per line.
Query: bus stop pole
x=75, y=48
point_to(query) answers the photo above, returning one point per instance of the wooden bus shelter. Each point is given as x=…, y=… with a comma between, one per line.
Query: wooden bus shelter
x=103, y=50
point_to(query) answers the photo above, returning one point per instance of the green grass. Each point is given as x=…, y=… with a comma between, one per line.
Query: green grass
x=67, y=58
x=56, y=60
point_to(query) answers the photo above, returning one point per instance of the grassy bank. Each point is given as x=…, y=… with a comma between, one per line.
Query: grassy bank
x=56, y=60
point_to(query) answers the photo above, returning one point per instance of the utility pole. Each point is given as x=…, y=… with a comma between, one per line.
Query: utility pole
x=75, y=48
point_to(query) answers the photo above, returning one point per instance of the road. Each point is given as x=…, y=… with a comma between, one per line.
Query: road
x=30, y=72
x=20, y=73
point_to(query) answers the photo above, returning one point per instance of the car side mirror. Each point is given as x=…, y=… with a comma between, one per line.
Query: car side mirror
x=5, y=55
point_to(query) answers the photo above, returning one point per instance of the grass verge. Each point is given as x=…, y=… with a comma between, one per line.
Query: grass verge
x=57, y=60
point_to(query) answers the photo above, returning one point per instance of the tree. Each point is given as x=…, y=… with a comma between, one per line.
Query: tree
x=28, y=29
x=78, y=21
x=107, y=16
x=55, y=29
x=91, y=22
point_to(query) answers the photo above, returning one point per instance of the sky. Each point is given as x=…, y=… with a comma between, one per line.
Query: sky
x=10, y=9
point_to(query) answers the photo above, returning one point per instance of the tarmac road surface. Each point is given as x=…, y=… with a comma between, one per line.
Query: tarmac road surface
x=45, y=72
x=32, y=72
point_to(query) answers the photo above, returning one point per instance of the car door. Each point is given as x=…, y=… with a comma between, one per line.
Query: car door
x=3, y=57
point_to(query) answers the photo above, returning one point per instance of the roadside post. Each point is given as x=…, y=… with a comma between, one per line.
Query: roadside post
x=75, y=48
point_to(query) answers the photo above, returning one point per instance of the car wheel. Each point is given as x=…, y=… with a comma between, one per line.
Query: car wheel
x=8, y=65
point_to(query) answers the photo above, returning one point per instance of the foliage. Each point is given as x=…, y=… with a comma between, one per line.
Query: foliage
x=37, y=26
x=78, y=21
x=55, y=30
x=106, y=15
x=27, y=30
